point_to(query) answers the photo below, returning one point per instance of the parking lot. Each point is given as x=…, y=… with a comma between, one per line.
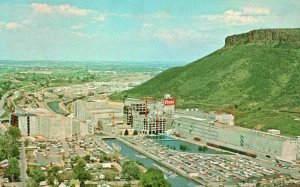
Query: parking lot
x=213, y=168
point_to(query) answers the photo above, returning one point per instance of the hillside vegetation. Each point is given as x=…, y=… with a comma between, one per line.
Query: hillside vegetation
x=255, y=76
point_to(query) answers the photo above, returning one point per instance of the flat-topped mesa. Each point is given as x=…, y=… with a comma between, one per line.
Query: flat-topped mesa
x=265, y=36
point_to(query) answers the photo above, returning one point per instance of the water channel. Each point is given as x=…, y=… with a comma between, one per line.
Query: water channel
x=132, y=154
x=183, y=146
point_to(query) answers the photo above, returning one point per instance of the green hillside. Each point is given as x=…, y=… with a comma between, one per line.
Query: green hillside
x=255, y=76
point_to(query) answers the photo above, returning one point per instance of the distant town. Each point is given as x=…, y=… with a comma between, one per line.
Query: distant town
x=73, y=135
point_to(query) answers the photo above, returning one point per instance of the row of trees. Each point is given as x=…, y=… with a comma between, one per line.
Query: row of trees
x=37, y=175
x=9, y=149
x=79, y=172
x=131, y=171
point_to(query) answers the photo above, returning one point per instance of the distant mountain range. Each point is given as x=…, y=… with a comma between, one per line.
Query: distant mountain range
x=255, y=76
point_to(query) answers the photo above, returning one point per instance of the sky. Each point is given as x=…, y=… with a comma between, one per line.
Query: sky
x=132, y=30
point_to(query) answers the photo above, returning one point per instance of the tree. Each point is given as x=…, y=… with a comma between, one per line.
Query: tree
x=13, y=150
x=51, y=179
x=135, y=132
x=109, y=175
x=87, y=158
x=54, y=170
x=131, y=170
x=2, y=155
x=74, y=160
x=31, y=183
x=14, y=133
x=37, y=174
x=126, y=132
x=116, y=156
x=60, y=177
x=79, y=171
x=26, y=143
x=154, y=178
x=104, y=157
x=13, y=171
x=127, y=184
x=183, y=147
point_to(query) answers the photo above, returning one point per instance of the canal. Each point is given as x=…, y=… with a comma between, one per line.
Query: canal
x=132, y=154
x=184, y=146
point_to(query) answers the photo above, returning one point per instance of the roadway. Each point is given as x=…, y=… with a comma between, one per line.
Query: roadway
x=23, y=166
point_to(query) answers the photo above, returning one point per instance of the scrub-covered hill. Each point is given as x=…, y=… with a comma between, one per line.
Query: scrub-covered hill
x=255, y=76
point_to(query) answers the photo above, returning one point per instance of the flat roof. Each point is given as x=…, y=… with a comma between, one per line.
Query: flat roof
x=99, y=111
x=36, y=112
x=23, y=113
x=238, y=129
x=191, y=117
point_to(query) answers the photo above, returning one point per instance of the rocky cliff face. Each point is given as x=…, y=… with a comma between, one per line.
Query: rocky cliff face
x=266, y=36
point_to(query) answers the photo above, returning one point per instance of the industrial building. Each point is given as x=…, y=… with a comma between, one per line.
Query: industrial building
x=148, y=116
x=98, y=113
x=82, y=128
x=41, y=122
x=268, y=146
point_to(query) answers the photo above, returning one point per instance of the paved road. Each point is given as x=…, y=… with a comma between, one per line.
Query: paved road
x=23, y=166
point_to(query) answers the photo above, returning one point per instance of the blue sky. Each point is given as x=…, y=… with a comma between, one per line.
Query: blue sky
x=132, y=30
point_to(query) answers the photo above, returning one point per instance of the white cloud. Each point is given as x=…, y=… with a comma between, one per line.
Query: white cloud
x=72, y=10
x=77, y=27
x=246, y=16
x=41, y=8
x=232, y=17
x=100, y=18
x=12, y=26
x=65, y=9
x=256, y=11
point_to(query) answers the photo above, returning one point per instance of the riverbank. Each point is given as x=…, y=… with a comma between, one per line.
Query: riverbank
x=200, y=182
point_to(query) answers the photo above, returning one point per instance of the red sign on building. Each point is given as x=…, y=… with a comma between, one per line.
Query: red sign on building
x=169, y=102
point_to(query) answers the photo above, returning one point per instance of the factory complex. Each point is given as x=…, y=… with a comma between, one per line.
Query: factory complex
x=87, y=117
x=150, y=116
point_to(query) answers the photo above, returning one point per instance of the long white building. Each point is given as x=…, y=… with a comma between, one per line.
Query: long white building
x=41, y=122
x=241, y=140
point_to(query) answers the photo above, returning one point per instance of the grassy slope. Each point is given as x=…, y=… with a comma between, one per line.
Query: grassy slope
x=254, y=81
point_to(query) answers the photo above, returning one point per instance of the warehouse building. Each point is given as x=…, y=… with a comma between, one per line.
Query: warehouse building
x=236, y=139
x=82, y=128
x=98, y=113
x=41, y=122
